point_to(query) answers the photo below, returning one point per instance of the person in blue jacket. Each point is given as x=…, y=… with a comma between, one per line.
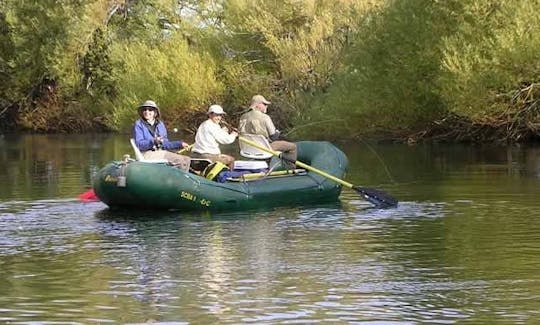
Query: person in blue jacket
x=150, y=135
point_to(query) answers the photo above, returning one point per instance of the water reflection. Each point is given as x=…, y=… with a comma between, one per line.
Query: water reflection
x=69, y=260
x=51, y=166
x=461, y=247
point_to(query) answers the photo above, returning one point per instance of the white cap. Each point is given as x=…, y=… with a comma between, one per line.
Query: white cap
x=216, y=109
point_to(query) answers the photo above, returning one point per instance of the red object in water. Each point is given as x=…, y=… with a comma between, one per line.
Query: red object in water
x=88, y=196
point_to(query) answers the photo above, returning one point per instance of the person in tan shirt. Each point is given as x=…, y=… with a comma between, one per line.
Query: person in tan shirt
x=256, y=121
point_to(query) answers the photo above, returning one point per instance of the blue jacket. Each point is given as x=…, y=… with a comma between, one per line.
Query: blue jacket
x=145, y=140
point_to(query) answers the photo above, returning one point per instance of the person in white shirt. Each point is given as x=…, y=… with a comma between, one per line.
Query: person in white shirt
x=210, y=135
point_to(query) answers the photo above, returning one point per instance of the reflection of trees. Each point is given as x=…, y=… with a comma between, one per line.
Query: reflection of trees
x=50, y=166
x=161, y=259
x=187, y=263
x=437, y=171
x=532, y=161
x=54, y=278
x=45, y=166
x=216, y=255
x=458, y=255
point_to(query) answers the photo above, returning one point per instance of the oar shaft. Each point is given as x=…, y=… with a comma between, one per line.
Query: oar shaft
x=274, y=173
x=320, y=172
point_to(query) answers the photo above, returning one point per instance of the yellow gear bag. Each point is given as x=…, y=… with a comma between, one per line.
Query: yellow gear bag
x=211, y=171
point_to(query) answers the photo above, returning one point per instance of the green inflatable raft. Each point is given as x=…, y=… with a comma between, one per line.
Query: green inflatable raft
x=135, y=184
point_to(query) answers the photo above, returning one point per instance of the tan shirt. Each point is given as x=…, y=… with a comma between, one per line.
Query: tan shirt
x=256, y=122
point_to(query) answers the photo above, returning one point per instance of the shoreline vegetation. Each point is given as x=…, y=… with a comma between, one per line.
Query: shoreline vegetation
x=388, y=70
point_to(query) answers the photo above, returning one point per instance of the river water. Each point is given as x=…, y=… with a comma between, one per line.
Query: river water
x=463, y=246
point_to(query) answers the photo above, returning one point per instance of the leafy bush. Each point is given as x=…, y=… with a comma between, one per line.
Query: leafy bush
x=493, y=53
x=393, y=66
x=178, y=79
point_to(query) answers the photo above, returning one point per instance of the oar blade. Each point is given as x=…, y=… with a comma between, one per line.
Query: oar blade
x=380, y=199
x=88, y=196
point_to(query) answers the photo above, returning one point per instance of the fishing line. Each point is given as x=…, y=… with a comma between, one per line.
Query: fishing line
x=310, y=124
x=380, y=159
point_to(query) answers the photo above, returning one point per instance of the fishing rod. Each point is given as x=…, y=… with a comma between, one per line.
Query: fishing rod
x=228, y=125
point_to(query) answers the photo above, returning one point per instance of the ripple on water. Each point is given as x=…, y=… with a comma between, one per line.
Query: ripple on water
x=45, y=225
x=434, y=262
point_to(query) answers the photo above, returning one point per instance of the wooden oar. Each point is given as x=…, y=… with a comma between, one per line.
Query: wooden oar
x=378, y=198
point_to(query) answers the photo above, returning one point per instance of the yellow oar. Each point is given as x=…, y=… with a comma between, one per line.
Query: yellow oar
x=253, y=176
x=188, y=148
x=379, y=198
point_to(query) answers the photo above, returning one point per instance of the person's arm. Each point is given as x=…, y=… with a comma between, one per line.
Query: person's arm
x=273, y=133
x=166, y=144
x=275, y=136
x=222, y=136
x=143, y=138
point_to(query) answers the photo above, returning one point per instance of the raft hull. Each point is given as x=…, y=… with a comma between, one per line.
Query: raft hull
x=158, y=186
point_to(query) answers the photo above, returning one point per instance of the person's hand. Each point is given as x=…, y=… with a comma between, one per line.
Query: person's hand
x=275, y=136
x=158, y=140
x=185, y=145
x=235, y=133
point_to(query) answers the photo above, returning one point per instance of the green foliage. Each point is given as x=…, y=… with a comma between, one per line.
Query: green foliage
x=338, y=69
x=493, y=54
x=242, y=82
x=48, y=38
x=96, y=67
x=7, y=55
x=393, y=66
x=178, y=79
x=292, y=48
x=139, y=21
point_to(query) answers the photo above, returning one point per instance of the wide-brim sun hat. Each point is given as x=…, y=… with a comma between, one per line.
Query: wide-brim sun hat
x=149, y=103
x=216, y=109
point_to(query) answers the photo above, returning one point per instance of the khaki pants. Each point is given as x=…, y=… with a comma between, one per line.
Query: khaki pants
x=174, y=159
x=287, y=148
x=222, y=158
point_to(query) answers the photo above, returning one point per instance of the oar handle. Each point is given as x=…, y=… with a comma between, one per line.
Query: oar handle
x=188, y=148
x=298, y=163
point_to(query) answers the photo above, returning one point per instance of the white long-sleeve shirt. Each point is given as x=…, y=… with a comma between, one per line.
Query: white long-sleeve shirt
x=209, y=136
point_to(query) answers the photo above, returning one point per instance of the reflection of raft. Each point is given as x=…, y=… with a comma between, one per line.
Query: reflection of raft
x=158, y=186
